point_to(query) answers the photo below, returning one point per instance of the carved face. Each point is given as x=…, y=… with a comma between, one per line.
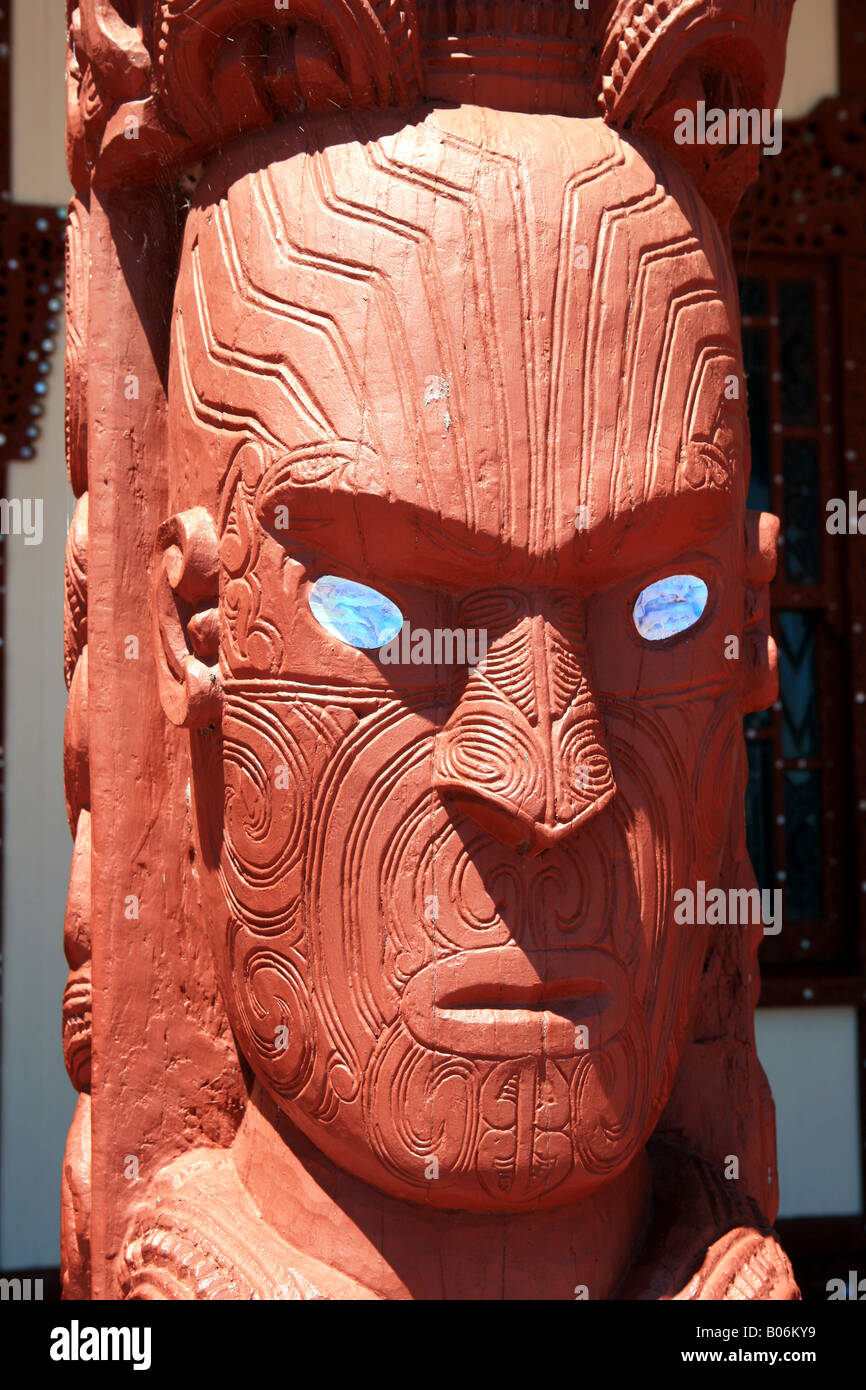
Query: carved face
x=487, y=367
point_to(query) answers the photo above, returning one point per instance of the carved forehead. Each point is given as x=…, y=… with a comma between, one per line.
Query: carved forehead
x=496, y=319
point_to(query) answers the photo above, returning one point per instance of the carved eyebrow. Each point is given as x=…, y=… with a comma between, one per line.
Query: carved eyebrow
x=705, y=509
x=409, y=546
x=634, y=541
x=311, y=463
x=337, y=495
x=319, y=479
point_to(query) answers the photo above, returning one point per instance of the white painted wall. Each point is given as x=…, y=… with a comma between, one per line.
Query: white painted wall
x=812, y=71
x=39, y=102
x=37, y=1098
x=810, y=1057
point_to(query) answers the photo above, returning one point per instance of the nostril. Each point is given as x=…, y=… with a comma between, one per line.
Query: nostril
x=505, y=822
x=514, y=827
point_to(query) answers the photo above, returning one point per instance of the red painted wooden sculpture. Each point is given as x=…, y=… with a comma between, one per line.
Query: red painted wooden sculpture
x=412, y=620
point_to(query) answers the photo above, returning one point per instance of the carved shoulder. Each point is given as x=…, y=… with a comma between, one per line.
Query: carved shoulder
x=198, y=1235
x=705, y=1241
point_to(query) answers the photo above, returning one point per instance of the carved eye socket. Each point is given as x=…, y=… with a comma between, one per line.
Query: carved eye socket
x=670, y=606
x=354, y=613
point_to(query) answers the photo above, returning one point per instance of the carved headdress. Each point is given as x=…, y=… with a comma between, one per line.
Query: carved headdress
x=155, y=87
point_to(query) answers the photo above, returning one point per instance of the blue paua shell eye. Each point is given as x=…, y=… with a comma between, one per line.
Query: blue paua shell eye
x=670, y=606
x=354, y=613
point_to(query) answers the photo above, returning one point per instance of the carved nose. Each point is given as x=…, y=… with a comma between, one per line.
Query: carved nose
x=523, y=753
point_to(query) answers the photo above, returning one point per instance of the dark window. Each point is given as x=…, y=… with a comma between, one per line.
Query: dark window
x=796, y=831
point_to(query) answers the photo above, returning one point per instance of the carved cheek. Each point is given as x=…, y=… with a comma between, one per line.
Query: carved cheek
x=275, y=754
x=268, y=784
x=661, y=753
x=374, y=815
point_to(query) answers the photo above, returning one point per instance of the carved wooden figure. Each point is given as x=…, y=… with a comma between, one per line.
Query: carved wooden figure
x=412, y=622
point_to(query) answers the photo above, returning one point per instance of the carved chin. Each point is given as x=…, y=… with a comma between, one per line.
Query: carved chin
x=512, y=1040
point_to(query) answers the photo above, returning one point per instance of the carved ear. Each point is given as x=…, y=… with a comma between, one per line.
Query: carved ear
x=186, y=619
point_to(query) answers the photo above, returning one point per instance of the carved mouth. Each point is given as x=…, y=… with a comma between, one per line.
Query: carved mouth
x=504, y=1002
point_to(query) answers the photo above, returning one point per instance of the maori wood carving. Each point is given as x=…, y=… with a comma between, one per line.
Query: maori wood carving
x=422, y=298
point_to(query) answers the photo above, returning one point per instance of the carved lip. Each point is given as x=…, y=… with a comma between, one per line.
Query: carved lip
x=501, y=1001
